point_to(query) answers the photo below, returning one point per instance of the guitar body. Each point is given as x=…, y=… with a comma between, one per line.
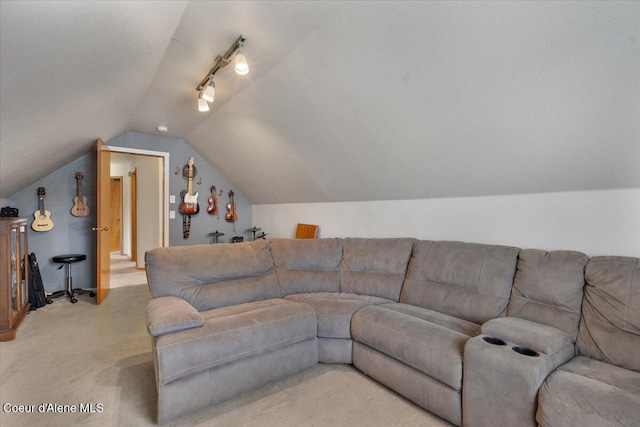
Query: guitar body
x=42, y=222
x=189, y=205
x=80, y=207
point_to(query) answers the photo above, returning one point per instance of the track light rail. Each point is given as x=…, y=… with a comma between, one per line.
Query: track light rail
x=222, y=61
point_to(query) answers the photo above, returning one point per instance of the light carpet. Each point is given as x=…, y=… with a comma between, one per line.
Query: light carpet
x=124, y=272
x=83, y=353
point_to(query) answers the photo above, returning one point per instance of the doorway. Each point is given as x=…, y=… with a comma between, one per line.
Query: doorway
x=137, y=192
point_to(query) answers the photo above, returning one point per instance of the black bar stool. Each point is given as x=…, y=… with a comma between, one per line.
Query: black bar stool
x=70, y=292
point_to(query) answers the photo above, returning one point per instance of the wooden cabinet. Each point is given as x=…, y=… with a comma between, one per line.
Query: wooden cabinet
x=14, y=285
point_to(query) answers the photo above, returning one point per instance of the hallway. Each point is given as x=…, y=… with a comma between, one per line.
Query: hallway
x=124, y=272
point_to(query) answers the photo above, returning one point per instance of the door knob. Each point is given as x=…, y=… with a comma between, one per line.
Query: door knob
x=100, y=228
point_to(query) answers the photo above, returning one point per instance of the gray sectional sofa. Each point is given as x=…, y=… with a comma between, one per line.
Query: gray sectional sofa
x=480, y=335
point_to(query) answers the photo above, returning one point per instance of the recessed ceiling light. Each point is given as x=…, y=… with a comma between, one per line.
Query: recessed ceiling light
x=162, y=128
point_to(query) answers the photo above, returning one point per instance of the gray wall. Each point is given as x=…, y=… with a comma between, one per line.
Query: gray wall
x=70, y=234
x=203, y=223
x=73, y=234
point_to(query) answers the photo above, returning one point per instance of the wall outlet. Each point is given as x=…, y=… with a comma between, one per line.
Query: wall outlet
x=172, y=199
x=172, y=214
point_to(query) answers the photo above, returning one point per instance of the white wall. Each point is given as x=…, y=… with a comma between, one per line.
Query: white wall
x=150, y=195
x=603, y=222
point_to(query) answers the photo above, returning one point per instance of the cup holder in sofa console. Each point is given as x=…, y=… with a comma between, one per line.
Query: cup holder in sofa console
x=526, y=351
x=494, y=341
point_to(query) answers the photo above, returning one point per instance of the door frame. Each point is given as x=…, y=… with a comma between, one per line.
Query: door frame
x=165, y=184
x=134, y=215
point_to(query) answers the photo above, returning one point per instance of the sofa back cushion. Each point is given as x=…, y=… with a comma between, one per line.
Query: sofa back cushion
x=548, y=289
x=213, y=276
x=467, y=280
x=307, y=265
x=610, y=323
x=375, y=267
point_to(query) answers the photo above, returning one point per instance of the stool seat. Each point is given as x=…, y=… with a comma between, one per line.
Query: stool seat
x=69, y=258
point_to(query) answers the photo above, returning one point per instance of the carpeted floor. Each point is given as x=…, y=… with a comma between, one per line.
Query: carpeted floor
x=73, y=354
x=124, y=272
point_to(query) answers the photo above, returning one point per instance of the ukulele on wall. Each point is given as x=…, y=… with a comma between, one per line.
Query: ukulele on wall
x=213, y=202
x=189, y=205
x=80, y=207
x=41, y=218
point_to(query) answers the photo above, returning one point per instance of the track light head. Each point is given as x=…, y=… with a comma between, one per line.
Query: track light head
x=209, y=91
x=242, y=67
x=202, y=103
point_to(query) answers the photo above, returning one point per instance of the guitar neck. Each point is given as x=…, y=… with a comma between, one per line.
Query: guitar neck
x=41, y=205
x=190, y=187
x=79, y=188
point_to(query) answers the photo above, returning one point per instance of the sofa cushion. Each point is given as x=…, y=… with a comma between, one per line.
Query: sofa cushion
x=590, y=393
x=235, y=333
x=213, y=276
x=610, y=325
x=459, y=325
x=548, y=289
x=465, y=280
x=375, y=266
x=429, y=348
x=334, y=310
x=307, y=265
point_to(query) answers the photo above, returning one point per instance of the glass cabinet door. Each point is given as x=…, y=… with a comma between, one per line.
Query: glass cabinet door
x=15, y=257
x=24, y=265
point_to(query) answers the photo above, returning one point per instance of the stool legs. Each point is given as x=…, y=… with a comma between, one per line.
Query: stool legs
x=70, y=292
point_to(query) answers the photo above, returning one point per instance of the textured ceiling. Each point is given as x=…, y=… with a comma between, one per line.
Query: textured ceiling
x=344, y=101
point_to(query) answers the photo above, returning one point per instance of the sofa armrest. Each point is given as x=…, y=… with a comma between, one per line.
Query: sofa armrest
x=166, y=315
x=536, y=336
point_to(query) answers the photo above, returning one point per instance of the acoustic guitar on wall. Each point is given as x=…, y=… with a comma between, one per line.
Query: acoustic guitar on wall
x=41, y=218
x=80, y=207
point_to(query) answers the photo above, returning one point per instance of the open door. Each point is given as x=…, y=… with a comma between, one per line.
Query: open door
x=104, y=219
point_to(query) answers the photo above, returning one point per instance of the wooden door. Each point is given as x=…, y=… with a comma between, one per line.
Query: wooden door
x=102, y=229
x=116, y=213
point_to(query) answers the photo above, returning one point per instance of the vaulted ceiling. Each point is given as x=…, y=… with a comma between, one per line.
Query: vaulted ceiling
x=344, y=100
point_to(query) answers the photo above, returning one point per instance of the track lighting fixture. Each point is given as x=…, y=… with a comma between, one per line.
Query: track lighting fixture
x=207, y=87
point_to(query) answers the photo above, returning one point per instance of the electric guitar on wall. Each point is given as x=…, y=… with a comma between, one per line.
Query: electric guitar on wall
x=41, y=218
x=80, y=207
x=189, y=205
